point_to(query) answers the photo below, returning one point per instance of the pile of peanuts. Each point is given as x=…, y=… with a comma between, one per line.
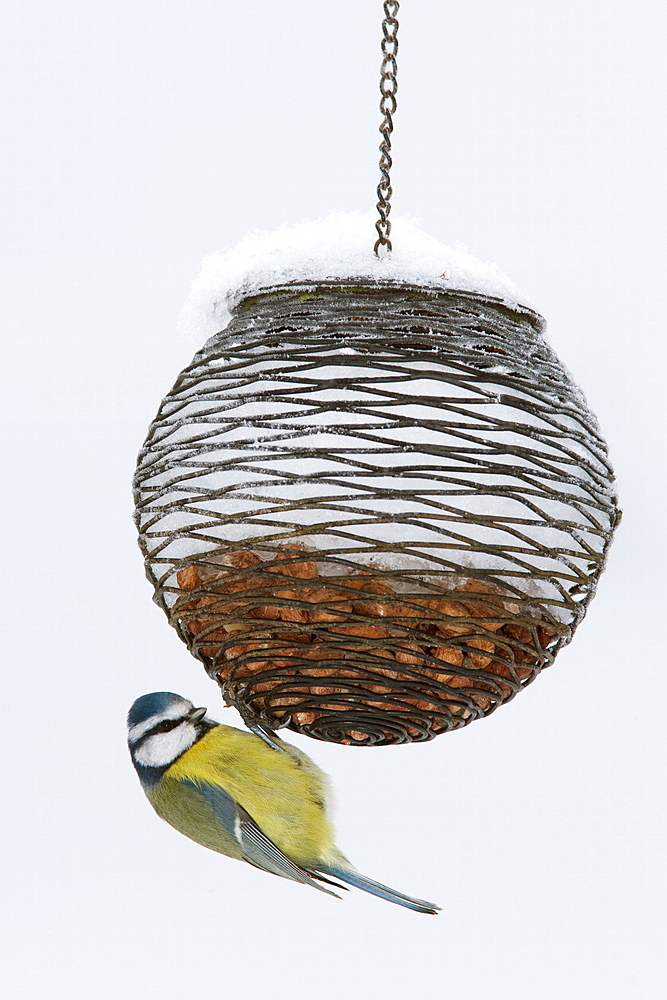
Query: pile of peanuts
x=368, y=622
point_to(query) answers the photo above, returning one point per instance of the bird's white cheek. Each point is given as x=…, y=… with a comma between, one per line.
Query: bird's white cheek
x=163, y=748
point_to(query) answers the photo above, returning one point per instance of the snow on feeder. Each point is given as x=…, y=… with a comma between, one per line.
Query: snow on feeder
x=375, y=505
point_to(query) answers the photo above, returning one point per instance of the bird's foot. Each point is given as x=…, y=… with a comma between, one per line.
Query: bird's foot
x=261, y=729
x=265, y=734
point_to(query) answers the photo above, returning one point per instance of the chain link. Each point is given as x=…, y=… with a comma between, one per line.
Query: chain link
x=388, y=89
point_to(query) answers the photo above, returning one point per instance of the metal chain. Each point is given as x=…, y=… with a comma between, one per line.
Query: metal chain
x=388, y=88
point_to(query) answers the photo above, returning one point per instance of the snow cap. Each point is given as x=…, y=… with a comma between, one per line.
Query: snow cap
x=338, y=247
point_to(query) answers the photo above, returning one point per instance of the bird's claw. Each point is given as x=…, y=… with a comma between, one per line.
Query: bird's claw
x=265, y=734
x=261, y=729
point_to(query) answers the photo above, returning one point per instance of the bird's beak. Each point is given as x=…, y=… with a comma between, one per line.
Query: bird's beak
x=197, y=714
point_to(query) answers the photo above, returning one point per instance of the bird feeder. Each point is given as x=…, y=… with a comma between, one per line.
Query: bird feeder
x=374, y=510
x=375, y=505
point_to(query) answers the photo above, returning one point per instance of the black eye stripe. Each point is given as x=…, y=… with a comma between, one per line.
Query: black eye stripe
x=157, y=729
x=167, y=725
x=201, y=729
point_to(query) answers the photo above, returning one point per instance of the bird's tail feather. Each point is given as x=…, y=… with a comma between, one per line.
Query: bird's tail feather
x=383, y=891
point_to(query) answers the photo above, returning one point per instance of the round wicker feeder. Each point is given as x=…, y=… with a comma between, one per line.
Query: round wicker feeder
x=374, y=511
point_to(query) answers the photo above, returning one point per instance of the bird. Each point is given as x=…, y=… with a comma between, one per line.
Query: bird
x=231, y=791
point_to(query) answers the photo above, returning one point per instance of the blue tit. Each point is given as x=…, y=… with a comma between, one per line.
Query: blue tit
x=233, y=793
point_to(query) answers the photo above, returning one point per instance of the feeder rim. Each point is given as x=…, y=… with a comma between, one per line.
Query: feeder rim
x=371, y=286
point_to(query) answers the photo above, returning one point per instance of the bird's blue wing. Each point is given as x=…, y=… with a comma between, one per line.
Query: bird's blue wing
x=257, y=848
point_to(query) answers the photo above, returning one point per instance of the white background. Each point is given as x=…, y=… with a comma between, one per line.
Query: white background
x=137, y=137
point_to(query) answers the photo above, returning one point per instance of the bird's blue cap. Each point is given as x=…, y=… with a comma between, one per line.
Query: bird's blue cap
x=151, y=704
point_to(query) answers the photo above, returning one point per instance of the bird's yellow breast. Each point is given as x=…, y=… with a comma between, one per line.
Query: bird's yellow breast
x=284, y=792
